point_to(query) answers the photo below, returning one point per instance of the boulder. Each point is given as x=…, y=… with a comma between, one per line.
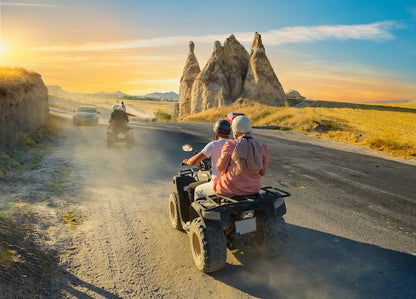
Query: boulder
x=235, y=65
x=190, y=72
x=294, y=94
x=261, y=83
x=210, y=88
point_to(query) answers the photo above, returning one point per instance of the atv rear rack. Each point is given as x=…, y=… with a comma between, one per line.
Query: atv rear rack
x=266, y=193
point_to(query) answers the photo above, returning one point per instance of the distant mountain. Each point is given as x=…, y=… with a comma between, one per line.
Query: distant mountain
x=58, y=91
x=164, y=96
x=106, y=94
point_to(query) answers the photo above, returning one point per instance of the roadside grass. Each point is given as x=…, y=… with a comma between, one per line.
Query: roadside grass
x=387, y=130
x=23, y=217
x=73, y=218
x=58, y=183
x=28, y=151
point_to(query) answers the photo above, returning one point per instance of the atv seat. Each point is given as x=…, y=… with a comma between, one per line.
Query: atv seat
x=245, y=197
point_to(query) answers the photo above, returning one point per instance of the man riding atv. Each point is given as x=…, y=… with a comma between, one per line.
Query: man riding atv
x=118, y=118
x=222, y=129
x=118, y=130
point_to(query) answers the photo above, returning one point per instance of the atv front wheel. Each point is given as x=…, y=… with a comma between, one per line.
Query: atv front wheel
x=271, y=237
x=174, y=211
x=208, y=247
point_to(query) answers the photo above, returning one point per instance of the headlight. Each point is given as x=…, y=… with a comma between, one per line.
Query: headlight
x=247, y=214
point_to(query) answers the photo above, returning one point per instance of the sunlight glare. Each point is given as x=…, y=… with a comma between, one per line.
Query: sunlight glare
x=1, y=51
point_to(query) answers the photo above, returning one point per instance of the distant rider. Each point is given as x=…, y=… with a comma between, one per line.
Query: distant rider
x=222, y=129
x=242, y=163
x=118, y=117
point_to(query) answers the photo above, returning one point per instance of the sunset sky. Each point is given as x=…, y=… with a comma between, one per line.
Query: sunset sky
x=346, y=50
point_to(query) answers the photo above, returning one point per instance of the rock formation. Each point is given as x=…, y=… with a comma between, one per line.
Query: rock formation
x=190, y=72
x=294, y=95
x=235, y=64
x=23, y=104
x=261, y=83
x=229, y=74
x=210, y=88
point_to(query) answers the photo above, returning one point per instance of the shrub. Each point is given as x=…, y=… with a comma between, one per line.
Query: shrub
x=163, y=116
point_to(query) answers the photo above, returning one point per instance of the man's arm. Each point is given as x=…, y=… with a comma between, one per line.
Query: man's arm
x=194, y=159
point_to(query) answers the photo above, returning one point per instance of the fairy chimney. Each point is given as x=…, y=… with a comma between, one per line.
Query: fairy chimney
x=261, y=83
x=210, y=88
x=190, y=72
x=235, y=64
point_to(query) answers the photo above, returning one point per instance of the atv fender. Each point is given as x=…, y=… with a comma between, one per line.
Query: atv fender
x=210, y=218
x=181, y=183
x=279, y=206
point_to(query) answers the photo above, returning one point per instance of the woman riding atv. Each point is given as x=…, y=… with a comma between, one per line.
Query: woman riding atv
x=242, y=163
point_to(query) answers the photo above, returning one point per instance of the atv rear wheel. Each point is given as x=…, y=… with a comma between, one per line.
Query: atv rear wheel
x=175, y=220
x=271, y=237
x=208, y=247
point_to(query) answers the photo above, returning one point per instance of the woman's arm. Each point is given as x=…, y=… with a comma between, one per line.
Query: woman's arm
x=265, y=153
x=226, y=151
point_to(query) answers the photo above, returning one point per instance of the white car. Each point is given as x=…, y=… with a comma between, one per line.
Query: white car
x=87, y=115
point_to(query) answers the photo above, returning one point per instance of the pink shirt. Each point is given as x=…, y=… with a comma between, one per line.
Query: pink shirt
x=245, y=183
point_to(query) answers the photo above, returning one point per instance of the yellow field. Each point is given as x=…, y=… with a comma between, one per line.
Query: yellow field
x=388, y=131
x=150, y=106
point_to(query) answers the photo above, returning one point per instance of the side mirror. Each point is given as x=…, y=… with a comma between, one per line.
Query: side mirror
x=187, y=148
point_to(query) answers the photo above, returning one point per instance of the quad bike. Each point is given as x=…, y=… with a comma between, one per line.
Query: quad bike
x=215, y=222
x=119, y=132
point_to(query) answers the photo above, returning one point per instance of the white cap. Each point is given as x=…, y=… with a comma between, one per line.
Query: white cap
x=241, y=124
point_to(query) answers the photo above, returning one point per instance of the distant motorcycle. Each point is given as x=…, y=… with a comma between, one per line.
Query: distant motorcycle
x=216, y=222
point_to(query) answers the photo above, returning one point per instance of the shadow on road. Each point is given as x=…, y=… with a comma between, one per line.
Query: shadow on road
x=323, y=265
x=73, y=284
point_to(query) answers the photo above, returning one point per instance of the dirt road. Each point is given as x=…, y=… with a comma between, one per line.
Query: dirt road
x=351, y=234
x=126, y=247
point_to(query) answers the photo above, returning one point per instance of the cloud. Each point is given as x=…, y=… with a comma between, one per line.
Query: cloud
x=301, y=34
x=25, y=4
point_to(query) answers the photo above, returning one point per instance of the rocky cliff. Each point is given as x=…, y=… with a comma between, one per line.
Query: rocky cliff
x=23, y=104
x=229, y=74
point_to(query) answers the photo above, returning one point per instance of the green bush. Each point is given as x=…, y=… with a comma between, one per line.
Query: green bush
x=163, y=116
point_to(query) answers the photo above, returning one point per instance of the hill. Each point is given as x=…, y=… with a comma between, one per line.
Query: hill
x=164, y=96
